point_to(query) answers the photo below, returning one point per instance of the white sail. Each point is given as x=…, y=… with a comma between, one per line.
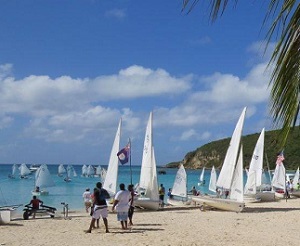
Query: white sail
x=278, y=180
x=24, y=170
x=226, y=174
x=110, y=183
x=14, y=171
x=152, y=190
x=43, y=177
x=254, y=179
x=230, y=177
x=236, y=191
x=84, y=170
x=148, y=186
x=98, y=170
x=179, y=186
x=61, y=170
x=213, y=180
x=146, y=168
x=70, y=173
x=296, y=179
x=90, y=171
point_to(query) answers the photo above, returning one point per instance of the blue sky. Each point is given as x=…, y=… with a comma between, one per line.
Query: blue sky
x=70, y=69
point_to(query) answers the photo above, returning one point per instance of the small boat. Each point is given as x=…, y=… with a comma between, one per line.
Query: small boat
x=201, y=178
x=148, y=197
x=230, y=180
x=15, y=172
x=24, y=171
x=179, y=195
x=61, y=170
x=34, y=167
x=43, y=180
x=162, y=172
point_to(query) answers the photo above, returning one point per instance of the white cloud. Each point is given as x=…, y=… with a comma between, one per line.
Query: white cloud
x=116, y=13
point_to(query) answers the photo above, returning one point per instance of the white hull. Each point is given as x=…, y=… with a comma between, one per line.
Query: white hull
x=147, y=203
x=5, y=216
x=177, y=202
x=279, y=195
x=219, y=203
x=41, y=193
x=296, y=193
x=266, y=196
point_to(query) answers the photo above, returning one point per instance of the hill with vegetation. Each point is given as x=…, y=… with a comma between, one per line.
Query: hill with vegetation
x=213, y=153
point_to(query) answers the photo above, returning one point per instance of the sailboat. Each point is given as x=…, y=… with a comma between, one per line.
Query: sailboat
x=43, y=180
x=253, y=188
x=148, y=197
x=296, y=191
x=84, y=171
x=90, y=171
x=110, y=182
x=70, y=173
x=213, y=180
x=179, y=191
x=24, y=171
x=61, y=170
x=14, y=172
x=201, y=178
x=230, y=176
x=279, y=180
x=98, y=171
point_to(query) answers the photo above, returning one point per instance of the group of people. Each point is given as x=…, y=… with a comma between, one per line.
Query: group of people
x=123, y=204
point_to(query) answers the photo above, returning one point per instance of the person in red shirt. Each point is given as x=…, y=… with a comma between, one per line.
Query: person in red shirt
x=35, y=203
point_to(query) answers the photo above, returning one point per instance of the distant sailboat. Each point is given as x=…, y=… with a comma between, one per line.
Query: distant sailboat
x=213, y=180
x=179, y=191
x=90, y=171
x=201, y=178
x=84, y=171
x=24, y=171
x=43, y=180
x=110, y=183
x=61, y=170
x=70, y=173
x=148, y=187
x=15, y=172
x=230, y=177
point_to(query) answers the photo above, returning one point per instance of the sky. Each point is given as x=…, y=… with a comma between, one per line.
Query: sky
x=71, y=69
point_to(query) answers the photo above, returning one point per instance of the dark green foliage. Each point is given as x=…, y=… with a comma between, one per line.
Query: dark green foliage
x=214, y=153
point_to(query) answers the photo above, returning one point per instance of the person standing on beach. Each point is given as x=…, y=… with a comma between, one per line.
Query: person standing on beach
x=100, y=207
x=161, y=193
x=131, y=204
x=35, y=203
x=122, y=204
x=87, y=199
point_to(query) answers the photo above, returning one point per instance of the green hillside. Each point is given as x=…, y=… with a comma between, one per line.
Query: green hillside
x=214, y=153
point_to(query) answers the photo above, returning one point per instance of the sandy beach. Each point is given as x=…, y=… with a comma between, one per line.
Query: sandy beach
x=274, y=223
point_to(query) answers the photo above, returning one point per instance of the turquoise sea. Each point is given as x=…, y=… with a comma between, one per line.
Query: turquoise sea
x=18, y=191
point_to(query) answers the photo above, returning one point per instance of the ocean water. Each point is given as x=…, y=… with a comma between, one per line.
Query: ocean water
x=18, y=191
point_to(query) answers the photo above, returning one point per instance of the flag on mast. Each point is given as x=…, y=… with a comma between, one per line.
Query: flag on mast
x=280, y=158
x=123, y=154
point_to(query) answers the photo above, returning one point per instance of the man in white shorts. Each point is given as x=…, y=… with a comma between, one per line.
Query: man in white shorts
x=100, y=207
x=122, y=204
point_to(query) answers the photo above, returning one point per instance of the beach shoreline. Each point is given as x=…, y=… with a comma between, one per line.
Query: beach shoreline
x=272, y=223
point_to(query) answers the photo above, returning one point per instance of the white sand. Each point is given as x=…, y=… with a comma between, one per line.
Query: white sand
x=275, y=223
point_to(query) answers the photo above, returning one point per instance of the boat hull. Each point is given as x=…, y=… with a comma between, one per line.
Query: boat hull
x=147, y=203
x=219, y=203
x=295, y=193
x=5, y=216
x=177, y=202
